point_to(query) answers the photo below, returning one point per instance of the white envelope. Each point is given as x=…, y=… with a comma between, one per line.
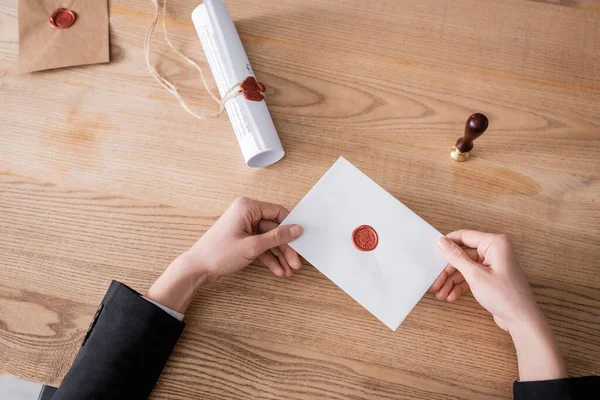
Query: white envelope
x=389, y=280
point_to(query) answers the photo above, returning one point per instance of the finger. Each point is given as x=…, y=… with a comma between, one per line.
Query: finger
x=457, y=257
x=468, y=238
x=449, y=270
x=473, y=254
x=283, y=234
x=457, y=291
x=437, y=284
x=273, y=212
x=271, y=262
x=265, y=225
x=446, y=288
x=290, y=254
x=282, y=261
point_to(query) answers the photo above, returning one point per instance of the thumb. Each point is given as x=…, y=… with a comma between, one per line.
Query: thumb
x=283, y=234
x=457, y=257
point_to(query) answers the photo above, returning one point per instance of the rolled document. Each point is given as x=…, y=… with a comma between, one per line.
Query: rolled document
x=229, y=64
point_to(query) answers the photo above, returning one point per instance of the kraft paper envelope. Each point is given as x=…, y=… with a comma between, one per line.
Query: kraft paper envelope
x=43, y=47
x=389, y=280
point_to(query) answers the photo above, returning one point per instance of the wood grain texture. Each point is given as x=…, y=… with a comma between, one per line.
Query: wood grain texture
x=103, y=176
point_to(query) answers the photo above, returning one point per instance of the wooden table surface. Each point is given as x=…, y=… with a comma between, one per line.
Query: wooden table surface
x=104, y=176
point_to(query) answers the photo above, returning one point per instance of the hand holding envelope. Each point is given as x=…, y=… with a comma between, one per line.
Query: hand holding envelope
x=388, y=280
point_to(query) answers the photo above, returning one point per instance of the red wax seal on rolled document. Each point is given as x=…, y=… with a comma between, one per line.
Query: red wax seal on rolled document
x=62, y=18
x=365, y=238
x=253, y=89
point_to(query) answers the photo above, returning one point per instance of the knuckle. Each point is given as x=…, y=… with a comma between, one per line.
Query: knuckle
x=458, y=254
x=241, y=201
x=504, y=238
x=503, y=241
x=501, y=238
x=277, y=236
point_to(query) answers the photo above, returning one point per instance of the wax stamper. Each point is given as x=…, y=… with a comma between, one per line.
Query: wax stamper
x=475, y=126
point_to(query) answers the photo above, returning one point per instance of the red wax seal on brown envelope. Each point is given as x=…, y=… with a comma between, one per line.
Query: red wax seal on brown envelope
x=365, y=238
x=62, y=18
x=253, y=89
x=54, y=35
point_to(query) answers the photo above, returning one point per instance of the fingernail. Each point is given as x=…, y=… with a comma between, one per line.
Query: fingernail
x=296, y=230
x=444, y=243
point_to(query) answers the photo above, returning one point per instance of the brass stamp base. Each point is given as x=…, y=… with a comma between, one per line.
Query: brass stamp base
x=457, y=155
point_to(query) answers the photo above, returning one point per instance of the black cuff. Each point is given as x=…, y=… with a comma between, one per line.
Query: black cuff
x=583, y=388
x=125, y=349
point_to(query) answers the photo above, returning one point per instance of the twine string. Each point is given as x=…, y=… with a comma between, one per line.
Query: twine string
x=234, y=91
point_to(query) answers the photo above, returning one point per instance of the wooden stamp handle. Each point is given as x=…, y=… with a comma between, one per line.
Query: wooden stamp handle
x=475, y=126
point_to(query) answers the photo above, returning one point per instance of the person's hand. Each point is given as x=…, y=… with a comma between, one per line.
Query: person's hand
x=247, y=231
x=487, y=264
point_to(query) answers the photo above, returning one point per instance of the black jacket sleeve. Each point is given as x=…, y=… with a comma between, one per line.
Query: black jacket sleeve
x=124, y=351
x=583, y=388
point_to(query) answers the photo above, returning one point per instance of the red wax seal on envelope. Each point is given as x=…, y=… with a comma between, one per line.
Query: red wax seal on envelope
x=365, y=238
x=253, y=89
x=62, y=18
